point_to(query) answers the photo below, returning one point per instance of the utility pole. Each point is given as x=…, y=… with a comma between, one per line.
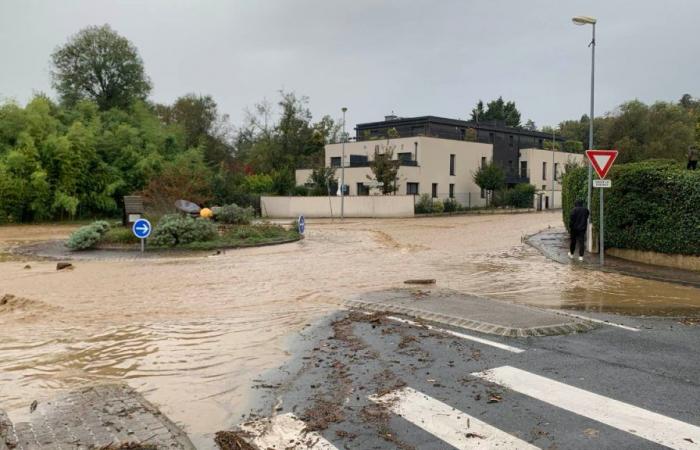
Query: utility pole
x=585, y=20
x=554, y=168
x=342, y=171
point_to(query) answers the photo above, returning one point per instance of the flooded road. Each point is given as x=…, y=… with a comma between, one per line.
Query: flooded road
x=192, y=333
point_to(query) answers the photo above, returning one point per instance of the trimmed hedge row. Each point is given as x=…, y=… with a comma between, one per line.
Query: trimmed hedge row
x=652, y=206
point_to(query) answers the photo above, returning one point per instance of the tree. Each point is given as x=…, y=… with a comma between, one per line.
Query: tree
x=497, y=110
x=323, y=180
x=489, y=177
x=530, y=125
x=100, y=65
x=385, y=169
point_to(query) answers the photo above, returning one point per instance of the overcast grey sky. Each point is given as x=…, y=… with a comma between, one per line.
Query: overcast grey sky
x=413, y=57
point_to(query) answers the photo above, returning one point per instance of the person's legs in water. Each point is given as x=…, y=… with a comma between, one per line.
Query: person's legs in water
x=581, y=238
x=572, y=244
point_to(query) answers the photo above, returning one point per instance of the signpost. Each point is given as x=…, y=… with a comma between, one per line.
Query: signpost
x=301, y=223
x=601, y=161
x=142, y=229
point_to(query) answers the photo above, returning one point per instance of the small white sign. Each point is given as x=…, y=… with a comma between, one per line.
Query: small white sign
x=134, y=217
x=602, y=183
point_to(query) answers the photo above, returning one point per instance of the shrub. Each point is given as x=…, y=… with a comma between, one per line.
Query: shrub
x=437, y=207
x=424, y=205
x=87, y=236
x=652, y=206
x=234, y=214
x=120, y=235
x=299, y=191
x=174, y=229
x=451, y=205
x=521, y=196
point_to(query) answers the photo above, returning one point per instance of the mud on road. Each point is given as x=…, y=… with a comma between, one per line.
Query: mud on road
x=192, y=333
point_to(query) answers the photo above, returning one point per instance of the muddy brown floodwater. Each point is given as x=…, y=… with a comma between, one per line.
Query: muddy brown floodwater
x=192, y=333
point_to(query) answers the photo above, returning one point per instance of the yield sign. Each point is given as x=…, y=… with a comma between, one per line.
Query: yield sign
x=601, y=160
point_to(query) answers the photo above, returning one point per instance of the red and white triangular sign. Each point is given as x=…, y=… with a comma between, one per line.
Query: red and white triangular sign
x=601, y=160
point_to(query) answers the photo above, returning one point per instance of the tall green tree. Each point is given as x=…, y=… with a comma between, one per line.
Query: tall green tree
x=497, y=110
x=100, y=65
x=385, y=169
x=489, y=177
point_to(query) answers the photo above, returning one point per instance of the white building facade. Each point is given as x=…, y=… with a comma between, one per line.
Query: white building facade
x=441, y=168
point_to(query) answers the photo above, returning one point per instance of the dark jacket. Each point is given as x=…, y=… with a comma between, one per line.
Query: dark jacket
x=578, y=219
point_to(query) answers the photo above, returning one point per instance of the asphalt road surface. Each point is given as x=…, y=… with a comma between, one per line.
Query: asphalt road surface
x=365, y=381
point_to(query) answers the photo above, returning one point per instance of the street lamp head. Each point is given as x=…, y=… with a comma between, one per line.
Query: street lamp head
x=584, y=20
x=343, y=109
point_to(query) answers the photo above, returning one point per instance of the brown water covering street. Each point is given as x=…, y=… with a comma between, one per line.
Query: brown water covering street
x=192, y=333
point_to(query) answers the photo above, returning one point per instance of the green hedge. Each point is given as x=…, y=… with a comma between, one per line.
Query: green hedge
x=653, y=205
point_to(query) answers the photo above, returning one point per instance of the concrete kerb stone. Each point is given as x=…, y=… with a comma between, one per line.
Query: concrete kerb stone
x=94, y=417
x=573, y=326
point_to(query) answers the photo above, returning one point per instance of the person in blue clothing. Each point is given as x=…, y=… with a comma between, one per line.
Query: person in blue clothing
x=578, y=222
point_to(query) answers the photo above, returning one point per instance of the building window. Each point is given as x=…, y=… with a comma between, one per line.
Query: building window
x=523, y=169
x=452, y=190
x=435, y=190
x=483, y=161
x=544, y=170
x=510, y=167
x=556, y=171
x=510, y=140
x=491, y=138
x=541, y=144
x=362, y=189
x=405, y=157
x=335, y=161
x=452, y=165
x=411, y=188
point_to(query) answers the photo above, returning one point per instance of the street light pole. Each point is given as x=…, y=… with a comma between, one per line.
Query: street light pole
x=342, y=171
x=585, y=20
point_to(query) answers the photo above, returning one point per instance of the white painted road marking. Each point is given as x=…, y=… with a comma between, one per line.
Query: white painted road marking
x=623, y=416
x=458, y=429
x=285, y=431
x=590, y=319
x=459, y=335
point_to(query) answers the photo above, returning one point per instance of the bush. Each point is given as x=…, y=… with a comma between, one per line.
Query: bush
x=119, y=235
x=174, y=229
x=652, y=206
x=424, y=205
x=234, y=214
x=438, y=206
x=451, y=205
x=87, y=236
x=299, y=191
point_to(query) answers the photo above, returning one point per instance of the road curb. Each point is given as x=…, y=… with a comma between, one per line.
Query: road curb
x=574, y=326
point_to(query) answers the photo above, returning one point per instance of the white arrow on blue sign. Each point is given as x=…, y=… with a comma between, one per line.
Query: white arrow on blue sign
x=302, y=224
x=141, y=228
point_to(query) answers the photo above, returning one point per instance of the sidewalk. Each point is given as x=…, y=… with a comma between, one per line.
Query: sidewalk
x=469, y=312
x=554, y=244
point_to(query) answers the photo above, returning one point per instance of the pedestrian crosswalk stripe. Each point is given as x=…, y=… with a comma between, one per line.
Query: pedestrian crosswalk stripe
x=623, y=416
x=509, y=348
x=455, y=427
x=284, y=431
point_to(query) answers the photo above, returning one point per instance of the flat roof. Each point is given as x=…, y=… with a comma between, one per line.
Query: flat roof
x=454, y=122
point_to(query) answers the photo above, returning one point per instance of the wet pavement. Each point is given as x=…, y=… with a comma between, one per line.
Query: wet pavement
x=193, y=333
x=375, y=382
x=554, y=243
x=469, y=312
x=96, y=417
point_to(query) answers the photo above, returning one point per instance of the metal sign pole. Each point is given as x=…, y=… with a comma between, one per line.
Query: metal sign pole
x=602, y=227
x=143, y=245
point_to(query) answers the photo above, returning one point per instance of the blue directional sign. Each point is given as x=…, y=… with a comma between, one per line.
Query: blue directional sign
x=141, y=228
x=302, y=224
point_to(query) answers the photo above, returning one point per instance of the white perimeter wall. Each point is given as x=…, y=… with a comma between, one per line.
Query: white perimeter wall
x=362, y=206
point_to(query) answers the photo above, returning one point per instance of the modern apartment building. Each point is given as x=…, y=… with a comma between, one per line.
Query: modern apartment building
x=437, y=161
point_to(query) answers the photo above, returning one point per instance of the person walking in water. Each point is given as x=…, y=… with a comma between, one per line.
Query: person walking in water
x=578, y=221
